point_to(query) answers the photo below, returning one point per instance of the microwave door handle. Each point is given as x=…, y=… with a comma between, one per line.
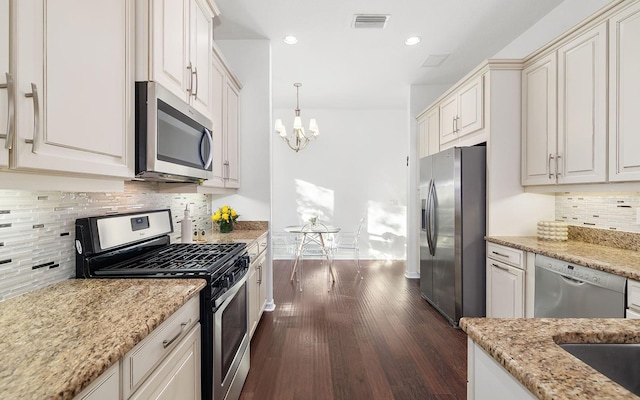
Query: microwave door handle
x=207, y=133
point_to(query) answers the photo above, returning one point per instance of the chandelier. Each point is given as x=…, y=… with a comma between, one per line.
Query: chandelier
x=298, y=140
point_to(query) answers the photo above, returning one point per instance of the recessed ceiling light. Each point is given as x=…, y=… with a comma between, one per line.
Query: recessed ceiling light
x=413, y=40
x=290, y=39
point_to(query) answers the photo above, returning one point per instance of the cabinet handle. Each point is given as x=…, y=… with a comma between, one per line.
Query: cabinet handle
x=195, y=72
x=453, y=125
x=36, y=118
x=499, y=254
x=499, y=267
x=189, y=67
x=226, y=170
x=8, y=144
x=558, y=173
x=549, y=165
x=167, y=343
x=456, y=119
x=259, y=267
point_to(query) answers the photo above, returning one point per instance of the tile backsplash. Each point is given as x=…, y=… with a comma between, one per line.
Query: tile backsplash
x=37, y=229
x=613, y=211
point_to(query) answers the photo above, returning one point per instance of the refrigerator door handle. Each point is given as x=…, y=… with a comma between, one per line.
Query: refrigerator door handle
x=431, y=205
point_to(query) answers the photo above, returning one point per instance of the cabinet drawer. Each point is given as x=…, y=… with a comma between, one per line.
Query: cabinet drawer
x=142, y=359
x=262, y=245
x=506, y=254
x=633, y=294
x=632, y=314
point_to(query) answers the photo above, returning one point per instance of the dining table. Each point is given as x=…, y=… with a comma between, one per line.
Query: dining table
x=313, y=234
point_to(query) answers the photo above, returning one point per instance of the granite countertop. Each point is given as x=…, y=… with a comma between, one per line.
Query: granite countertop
x=621, y=262
x=56, y=340
x=241, y=235
x=528, y=349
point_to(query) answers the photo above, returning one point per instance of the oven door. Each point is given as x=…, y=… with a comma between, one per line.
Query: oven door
x=231, y=342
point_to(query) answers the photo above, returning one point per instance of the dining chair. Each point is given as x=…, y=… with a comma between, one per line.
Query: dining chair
x=318, y=243
x=349, y=241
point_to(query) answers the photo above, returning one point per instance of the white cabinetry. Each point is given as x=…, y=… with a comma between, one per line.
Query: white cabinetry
x=257, y=282
x=488, y=380
x=565, y=142
x=624, y=95
x=152, y=352
x=505, y=282
x=5, y=112
x=74, y=87
x=429, y=132
x=174, y=39
x=462, y=112
x=633, y=299
x=106, y=387
x=226, y=91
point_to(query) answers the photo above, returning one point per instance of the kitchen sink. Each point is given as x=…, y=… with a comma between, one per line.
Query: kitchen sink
x=619, y=362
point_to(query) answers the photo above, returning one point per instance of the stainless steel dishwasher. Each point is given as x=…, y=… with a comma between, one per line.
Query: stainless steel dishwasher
x=565, y=290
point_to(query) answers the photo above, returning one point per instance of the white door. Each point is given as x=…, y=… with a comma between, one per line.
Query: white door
x=582, y=119
x=231, y=136
x=539, y=122
x=201, y=25
x=470, y=115
x=506, y=290
x=448, y=116
x=624, y=95
x=4, y=70
x=170, y=46
x=74, y=97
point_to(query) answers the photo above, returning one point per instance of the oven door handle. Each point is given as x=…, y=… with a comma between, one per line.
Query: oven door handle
x=229, y=294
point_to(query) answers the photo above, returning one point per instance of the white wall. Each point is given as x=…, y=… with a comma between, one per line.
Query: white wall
x=357, y=167
x=566, y=15
x=250, y=61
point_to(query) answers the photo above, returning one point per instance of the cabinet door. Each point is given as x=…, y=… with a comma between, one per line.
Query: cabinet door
x=231, y=136
x=4, y=70
x=582, y=91
x=539, y=122
x=624, y=95
x=253, y=302
x=178, y=377
x=217, y=107
x=448, y=115
x=505, y=290
x=106, y=387
x=74, y=92
x=433, y=129
x=201, y=27
x=470, y=108
x=423, y=146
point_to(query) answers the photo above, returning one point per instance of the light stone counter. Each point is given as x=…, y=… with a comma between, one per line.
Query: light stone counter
x=56, y=340
x=528, y=349
x=618, y=261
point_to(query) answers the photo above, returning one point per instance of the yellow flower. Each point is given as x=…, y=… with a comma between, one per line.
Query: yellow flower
x=216, y=217
x=225, y=209
x=225, y=217
x=233, y=213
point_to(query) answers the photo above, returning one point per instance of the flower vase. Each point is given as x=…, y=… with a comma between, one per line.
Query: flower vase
x=226, y=227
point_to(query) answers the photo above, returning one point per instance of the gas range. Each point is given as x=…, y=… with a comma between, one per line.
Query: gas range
x=137, y=245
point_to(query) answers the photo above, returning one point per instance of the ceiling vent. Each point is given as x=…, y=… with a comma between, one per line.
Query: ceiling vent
x=376, y=21
x=434, y=60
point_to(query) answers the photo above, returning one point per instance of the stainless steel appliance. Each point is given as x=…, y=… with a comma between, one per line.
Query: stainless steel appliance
x=566, y=290
x=173, y=141
x=452, y=247
x=137, y=245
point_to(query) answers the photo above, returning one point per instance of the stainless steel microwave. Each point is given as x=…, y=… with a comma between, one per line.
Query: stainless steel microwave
x=174, y=142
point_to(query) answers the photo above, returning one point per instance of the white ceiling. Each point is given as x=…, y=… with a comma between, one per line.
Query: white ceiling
x=341, y=67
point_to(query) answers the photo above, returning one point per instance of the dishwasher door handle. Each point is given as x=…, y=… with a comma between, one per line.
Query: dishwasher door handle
x=573, y=281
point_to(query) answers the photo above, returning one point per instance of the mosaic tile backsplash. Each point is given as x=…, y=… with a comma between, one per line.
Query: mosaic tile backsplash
x=37, y=229
x=612, y=211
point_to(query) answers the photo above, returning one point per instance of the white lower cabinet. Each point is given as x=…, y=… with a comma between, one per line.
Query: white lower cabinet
x=178, y=377
x=633, y=299
x=505, y=287
x=106, y=387
x=488, y=380
x=257, y=282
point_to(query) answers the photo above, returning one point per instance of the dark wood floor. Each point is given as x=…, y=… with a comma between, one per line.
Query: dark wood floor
x=373, y=338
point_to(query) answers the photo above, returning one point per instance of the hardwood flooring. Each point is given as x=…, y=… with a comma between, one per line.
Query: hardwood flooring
x=371, y=338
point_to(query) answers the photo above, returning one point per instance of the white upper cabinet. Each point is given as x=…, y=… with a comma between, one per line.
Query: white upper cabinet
x=174, y=39
x=539, y=121
x=428, y=126
x=74, y=87
x=564, y=129
x=582, y=108
x=462, y=112
x=624, y=95
x=6, y=112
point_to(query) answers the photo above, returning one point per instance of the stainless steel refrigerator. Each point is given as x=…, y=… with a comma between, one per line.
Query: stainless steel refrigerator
x=452, y=246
